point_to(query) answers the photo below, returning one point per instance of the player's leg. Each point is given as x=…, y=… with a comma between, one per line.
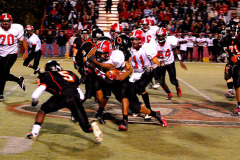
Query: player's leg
x=229, y=80
x=173, y=78
x=236, y=82
x=162, y=74
x=36, y=62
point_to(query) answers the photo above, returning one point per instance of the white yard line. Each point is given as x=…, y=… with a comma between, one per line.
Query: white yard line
x=193, y=88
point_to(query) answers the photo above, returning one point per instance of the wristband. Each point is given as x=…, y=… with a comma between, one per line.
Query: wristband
x=179, y=57
x=26, y=51
x=91, y=58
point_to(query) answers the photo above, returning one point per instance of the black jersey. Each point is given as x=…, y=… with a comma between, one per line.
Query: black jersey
x=86, y=48
x=59, y=82
x=232, y=47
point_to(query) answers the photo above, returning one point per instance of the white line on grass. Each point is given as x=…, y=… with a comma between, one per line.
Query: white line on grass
x=193, y=88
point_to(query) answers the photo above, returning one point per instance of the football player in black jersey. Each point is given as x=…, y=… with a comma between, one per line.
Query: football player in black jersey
x=63, y=85
x=232, y=48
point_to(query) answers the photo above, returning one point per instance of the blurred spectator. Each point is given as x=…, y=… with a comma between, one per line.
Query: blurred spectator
x=61, y=42
x=49, y=43
x=124, y=14
x=108, y=6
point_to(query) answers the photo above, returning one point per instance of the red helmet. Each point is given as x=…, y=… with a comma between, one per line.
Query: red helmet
x=137, y=34
x=161, y=34
x=29, y=28
x=145, y=24
x=6, y=21
x=115, y=27
x=150, y=22
x=104, y=49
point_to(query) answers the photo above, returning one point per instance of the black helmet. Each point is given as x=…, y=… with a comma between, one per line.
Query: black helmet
x=53, y=66
x=97, y=33
x=123, y=42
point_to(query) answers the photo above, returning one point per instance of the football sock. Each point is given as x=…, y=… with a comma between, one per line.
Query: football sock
x=100, y=110
x=145, y=98
x=153, y=113
x=230, y=85
x=125, y=117
x=36, y=128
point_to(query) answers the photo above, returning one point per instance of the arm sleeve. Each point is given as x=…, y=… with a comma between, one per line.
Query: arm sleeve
x=37, y=93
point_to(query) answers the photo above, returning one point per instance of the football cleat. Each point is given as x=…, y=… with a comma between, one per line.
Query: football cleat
x=229, y=94
x=179, y=92
x=162, y=120
x=169, y=97
x=150, y=86
x=135, y=114
x=100, y=118
x=32, y=136
x=97, y=132
x=73, y=119
x=37, y=71
x=157, y=85
x=123, y=126
x=22, y=83
x=1, y=98
x=236, y=112
x=147, y=117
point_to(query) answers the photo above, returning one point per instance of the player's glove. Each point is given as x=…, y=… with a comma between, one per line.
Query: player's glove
x=147, y=69
x=34, y=103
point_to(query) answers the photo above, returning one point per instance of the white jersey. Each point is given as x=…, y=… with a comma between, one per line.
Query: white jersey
x=190, y=41
x=164, y=52
x=209, y=41
x=150, y=34
x=117, y=59
x=200, y=41
x=183, y=46
x=34, y=40
x=9, y=39
x=141, y=58
x=172, y=40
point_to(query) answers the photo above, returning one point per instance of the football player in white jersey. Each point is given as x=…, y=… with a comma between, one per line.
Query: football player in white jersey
x=149, y=31
x=165, y=48
x=34, y=47
x=10, y=34
x=143, y=61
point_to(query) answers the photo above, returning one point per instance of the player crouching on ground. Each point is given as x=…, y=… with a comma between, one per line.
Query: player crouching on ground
x=63, y=84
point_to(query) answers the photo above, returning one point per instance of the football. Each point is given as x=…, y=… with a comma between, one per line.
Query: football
x=112, y=74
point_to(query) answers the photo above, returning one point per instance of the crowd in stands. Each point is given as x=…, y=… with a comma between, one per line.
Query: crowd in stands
x=178, y=16
x=181, y=16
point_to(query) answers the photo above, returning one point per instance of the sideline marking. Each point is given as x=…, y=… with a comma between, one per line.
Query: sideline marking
x=193, y=88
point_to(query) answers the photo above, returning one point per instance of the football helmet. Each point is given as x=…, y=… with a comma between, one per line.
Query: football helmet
x=97, y=33
x=145, y=24
x=122, y=42
x=85, y=34
x=6, y=21
x=53, y=66
x=104, y=50
x=233, y=31
x=137, y=34
x=29, y=30
x=115, y=30
x=161, y=35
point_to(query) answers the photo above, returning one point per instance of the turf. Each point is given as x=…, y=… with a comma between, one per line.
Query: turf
x=61, y=139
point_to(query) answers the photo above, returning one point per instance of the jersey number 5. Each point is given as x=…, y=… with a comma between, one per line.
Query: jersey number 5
x=66, y=76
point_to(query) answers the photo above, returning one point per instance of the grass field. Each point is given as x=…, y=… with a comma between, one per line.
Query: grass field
x=60, y=139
